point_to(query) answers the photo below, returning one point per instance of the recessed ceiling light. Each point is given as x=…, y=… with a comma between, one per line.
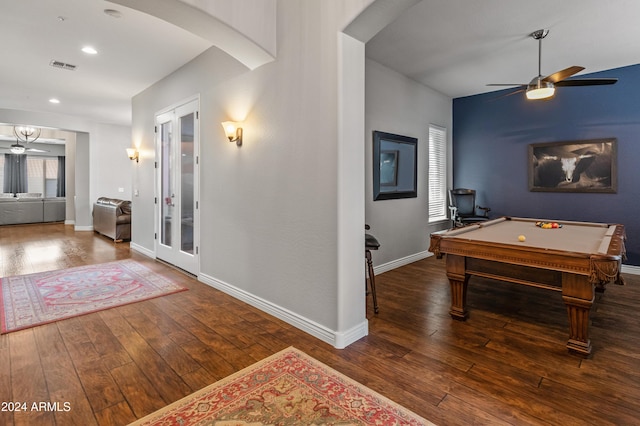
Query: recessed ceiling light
x=89, y=50
x=54, y=101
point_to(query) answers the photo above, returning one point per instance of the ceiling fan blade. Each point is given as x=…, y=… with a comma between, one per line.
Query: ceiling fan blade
x=36, y=150
x=506, y=84
x=587, y=82
x=513, y=92
x=561, y=75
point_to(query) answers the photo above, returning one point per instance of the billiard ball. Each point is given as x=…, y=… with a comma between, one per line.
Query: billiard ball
x=521, y=238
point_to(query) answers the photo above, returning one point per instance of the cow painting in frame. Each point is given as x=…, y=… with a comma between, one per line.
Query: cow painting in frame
x=574, y=166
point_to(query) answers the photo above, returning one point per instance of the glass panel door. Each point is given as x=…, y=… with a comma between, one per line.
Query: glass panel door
x=177, y=183
x=166, y=182
x=187, y=206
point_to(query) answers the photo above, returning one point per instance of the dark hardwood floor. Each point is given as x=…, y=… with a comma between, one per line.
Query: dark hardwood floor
x=507, y=364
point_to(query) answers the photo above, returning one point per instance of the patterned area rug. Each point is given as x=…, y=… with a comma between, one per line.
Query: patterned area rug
x=35, y=299
x=288, y=388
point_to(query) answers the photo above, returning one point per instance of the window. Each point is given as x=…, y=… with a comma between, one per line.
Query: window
x=35, y=174
x=50, y=177
x=42, y=175
x=437, y=173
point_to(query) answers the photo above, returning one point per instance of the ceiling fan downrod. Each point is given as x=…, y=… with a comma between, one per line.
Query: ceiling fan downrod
x=539, y=35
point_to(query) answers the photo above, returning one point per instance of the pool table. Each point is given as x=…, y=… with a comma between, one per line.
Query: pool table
x=576, y=259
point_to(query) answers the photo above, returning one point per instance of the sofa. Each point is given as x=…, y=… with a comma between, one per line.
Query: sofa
x=112, y=218
x=30, y=208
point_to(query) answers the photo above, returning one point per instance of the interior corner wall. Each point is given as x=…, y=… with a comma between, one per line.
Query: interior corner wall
x=82, y=197
x=70, y=177
x=350, y=188
x=396, y=104
x=491, y=139
x=268, y=226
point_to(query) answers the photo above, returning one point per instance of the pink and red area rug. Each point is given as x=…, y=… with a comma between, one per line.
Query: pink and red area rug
x=35, y=299
x=288, y=388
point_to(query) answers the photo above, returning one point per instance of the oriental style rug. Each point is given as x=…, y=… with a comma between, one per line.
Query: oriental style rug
x=288, y=388
x=36, y=299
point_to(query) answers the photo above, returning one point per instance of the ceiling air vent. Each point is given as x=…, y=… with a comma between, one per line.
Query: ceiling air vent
x=63, y=65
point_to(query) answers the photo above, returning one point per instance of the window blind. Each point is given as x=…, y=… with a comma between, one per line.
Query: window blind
x=437, y=173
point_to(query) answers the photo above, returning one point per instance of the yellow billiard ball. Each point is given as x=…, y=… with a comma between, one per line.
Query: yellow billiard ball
x=521, y=238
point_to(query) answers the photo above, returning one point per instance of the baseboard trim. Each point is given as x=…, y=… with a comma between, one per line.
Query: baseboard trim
x=83, y=228
x=344, y=339
x=385, y=267
x=69, y=222
x=142, y=250
x=630, y=269
x=338, y=340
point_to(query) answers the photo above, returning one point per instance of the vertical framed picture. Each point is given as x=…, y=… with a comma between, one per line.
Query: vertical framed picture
x=574, y=166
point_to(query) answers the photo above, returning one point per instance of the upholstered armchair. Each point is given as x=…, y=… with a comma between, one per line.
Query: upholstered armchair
x=112, y=218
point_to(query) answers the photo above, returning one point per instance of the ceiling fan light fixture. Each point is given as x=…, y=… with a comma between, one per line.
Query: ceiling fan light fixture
x=540, y=90
x=17, y=149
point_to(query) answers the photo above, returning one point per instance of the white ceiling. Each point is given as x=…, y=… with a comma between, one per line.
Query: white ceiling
x=453, y=46
x=459, y=46
x=134, y=51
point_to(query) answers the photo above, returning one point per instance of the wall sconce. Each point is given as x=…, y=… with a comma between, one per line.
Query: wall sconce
x=133, y=154
x=233, y=131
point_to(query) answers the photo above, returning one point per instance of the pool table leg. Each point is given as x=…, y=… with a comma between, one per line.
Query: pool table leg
x=578, y=295
x=458, y=281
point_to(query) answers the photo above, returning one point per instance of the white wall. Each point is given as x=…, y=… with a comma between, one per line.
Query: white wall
x=269, y=221
x=203, y=76
x=396, y=104
x=111, y=169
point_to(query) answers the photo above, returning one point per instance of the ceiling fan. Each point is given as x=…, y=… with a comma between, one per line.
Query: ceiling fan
x=17, y=148
x=544, y=87
x=25, y=134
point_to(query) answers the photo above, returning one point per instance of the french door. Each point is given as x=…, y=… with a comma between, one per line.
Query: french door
x=177, y=219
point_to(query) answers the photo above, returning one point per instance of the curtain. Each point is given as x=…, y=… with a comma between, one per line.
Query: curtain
x=62, y=189
x=15, y=173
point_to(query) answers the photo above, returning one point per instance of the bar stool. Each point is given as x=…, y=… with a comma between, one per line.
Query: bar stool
x=370, y=243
